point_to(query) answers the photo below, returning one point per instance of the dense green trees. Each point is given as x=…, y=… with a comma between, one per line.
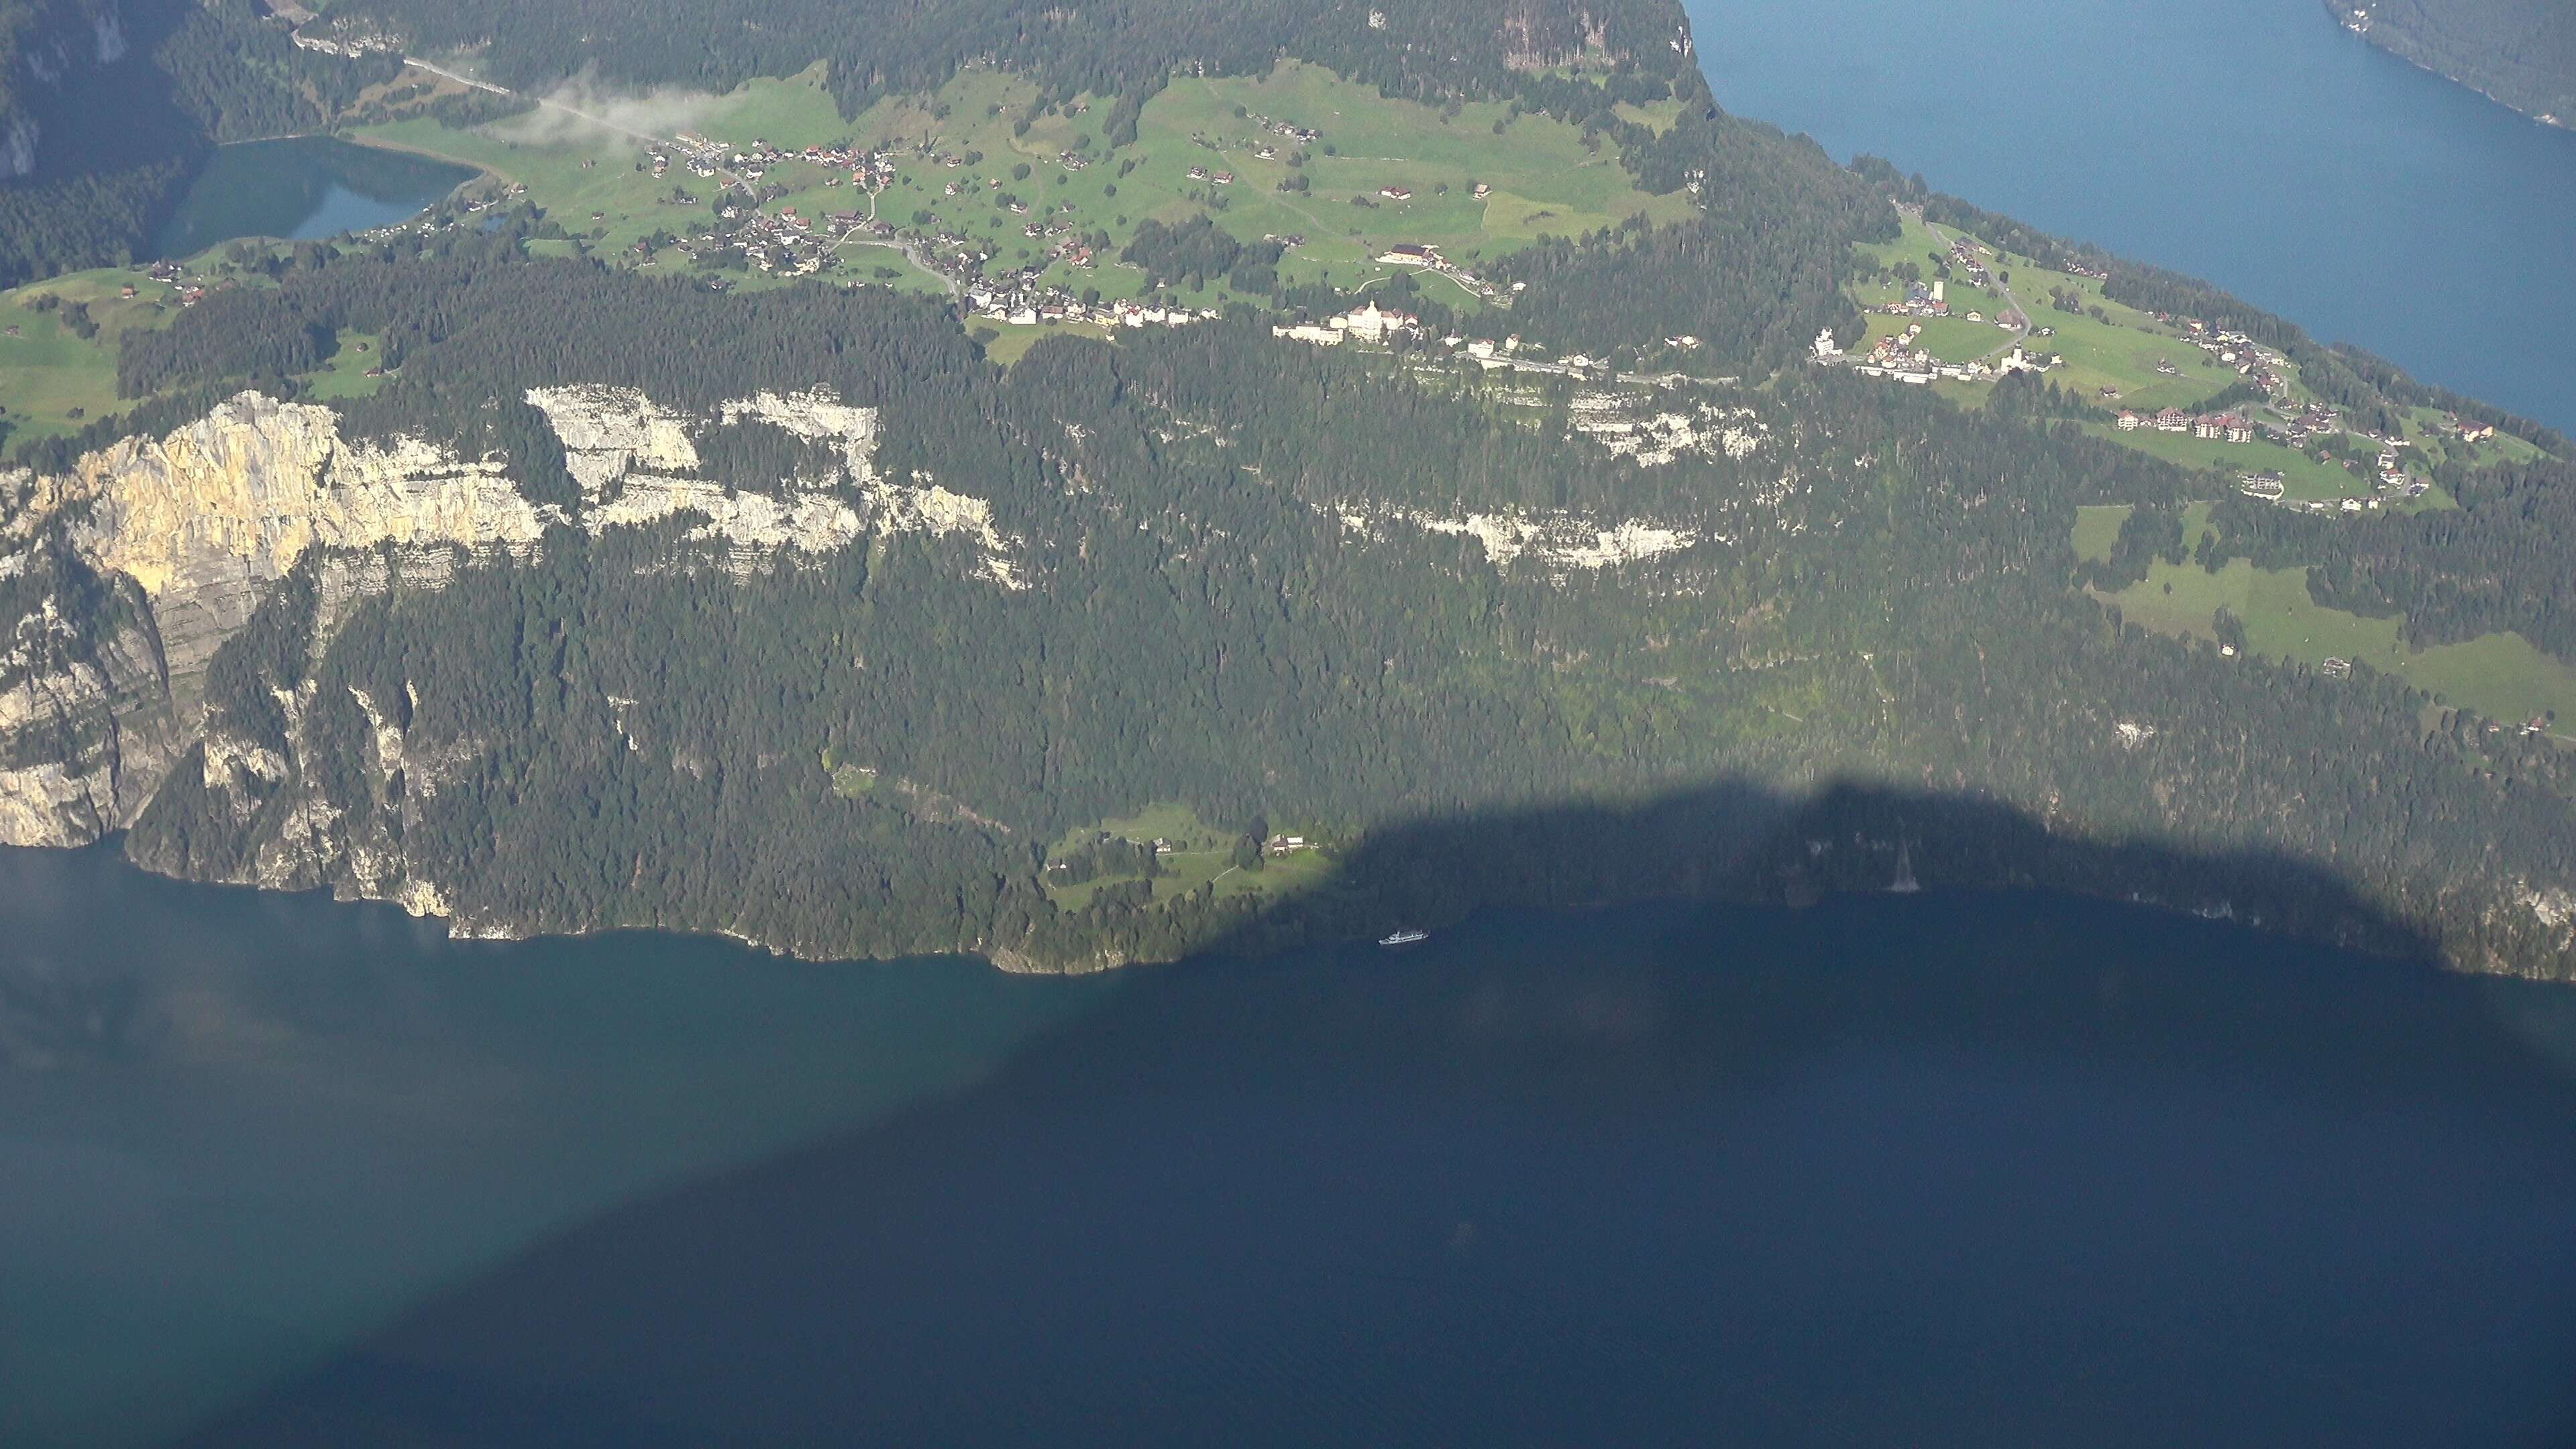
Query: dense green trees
x=2522, y=52
x=619, y=731
x=1426, y=51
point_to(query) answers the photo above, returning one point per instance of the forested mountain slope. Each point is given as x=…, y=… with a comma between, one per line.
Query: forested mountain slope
x=2522, y=52
x=622, y=594
x=923, y=618
x=1418, y=48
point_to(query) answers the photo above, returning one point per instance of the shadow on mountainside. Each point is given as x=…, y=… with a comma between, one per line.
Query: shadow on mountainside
x=1676, y=1173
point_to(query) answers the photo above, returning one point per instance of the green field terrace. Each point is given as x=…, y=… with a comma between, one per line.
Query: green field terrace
x=1053, y=163
x=2501, y=676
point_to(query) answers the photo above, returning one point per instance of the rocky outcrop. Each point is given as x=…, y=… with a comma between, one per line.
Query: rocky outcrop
x=202, y=518
x=1557, y=541
x=18, y=148
x=195, y=526
x=88, y=729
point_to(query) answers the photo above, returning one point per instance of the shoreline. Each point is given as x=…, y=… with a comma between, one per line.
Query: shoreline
x=2350, y=935
x=2343, y=11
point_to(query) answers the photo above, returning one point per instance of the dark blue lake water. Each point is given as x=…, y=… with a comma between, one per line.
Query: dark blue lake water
x=302, y=189
x=1963, y=1170
x=2252, y=142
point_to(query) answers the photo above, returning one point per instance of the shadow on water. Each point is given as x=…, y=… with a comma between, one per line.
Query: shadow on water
x=1958, y=1167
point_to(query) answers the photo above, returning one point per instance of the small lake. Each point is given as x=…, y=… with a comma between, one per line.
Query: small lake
x=2255, y=143
x=1931, y=1170
x=303, y=189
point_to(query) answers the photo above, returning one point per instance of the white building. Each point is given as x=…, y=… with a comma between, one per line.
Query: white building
x=1373, y=324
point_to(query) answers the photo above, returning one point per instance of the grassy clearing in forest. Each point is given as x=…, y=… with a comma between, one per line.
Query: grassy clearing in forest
x=2501, y=675
x=2097, y=528
x=1202, y=855
x=53, y=381
x=345, y=375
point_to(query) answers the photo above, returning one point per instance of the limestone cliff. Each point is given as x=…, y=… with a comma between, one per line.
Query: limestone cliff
x=185, y=533
x=88, y=727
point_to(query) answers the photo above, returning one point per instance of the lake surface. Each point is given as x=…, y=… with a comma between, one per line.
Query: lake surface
x=2251, y=142
x=1925, y=1170
x=303, y=189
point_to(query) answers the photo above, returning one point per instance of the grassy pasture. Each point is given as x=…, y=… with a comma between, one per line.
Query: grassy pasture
x=2097, y=529
x=2302, y=475
x=47, y=372
x=1201, y=855
x=1543, y=181
x=2119, y=350
x=345, y=375
x=2499, y=675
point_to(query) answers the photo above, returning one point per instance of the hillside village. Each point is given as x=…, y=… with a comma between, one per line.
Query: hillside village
x=1014, y=208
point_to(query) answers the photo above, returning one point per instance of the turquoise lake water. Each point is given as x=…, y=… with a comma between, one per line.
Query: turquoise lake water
x=2251, y=142
x=302, y=190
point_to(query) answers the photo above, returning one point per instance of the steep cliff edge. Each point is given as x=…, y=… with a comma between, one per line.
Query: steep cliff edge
x=88, y=726
x=120, y=579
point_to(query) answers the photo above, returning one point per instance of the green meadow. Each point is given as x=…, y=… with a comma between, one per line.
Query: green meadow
x=2502, y=676
x=2097, y=529
x=1542, y=181
x=345, y=375
x=52, y=380
x=1201, y=856
x=2303, y=476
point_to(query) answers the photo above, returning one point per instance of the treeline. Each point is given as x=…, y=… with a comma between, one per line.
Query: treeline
x=1196, y=251
x=2500, y=561
x=235, y=72
x=1427, y=51
x=1755, y=278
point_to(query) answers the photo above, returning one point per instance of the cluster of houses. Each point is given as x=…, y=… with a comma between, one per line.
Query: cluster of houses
x=1302, y=135
x=1025, y=304
x=188, y=293
x=1901, y=356
x=706, y=157
x=1971, y=260
x=784, y=242
x=2251, y=361
x=2318, y=421
x=1922, y=299
x=2227, y=427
